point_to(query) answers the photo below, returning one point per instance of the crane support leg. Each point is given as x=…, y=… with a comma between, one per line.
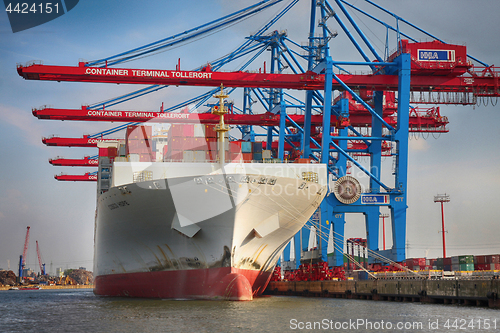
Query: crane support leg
x=282, y=128
x=398, y=202
x=372, y=227
x=298, y=247
x=337, y=221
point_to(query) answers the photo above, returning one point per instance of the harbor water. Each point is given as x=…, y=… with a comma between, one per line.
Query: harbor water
x=79, y=310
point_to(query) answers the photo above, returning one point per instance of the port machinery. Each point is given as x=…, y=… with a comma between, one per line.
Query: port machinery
x=327, y=125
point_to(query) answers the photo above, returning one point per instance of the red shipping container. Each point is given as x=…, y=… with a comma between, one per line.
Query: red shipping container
x=247, y=156
x=188, y=131
x=146, y=132
x=201, y=144
x=146, y=158
x=165, y=150
x=447, y=261
x=176, y=155
x=235, y=146
x=176, y=144
x=212, y=145
x=176, y=131
x=482, y=267
x=236, y=157
x=419, y=261
x=493, y=259
x=210, y=132
x=139, y=132
x=192, y=143
x=142, y=149
x=112, y=151
x=479, y=259
x=103, y=151
x=188, y=143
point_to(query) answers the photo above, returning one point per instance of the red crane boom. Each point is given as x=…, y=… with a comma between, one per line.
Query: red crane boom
x=88, y=177
x=85, y=162
x=482, y=81
x=86, y=141
x=26, y=242
x=42, y=266
x=356, y=118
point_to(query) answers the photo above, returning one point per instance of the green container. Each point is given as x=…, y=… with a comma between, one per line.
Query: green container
x=466, y=267
x=469, y=259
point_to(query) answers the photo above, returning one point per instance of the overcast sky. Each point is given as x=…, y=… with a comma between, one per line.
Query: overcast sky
x=463, y=163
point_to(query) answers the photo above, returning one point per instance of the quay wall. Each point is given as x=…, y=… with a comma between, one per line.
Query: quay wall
x=446, y=291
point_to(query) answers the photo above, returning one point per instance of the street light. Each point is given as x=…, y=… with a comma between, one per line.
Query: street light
x=442, y=198
x=383, y=216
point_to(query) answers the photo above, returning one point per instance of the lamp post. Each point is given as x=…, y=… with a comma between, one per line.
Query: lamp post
x=383, y=216
x=442, y=198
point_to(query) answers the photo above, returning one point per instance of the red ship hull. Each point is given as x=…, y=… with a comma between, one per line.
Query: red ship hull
x=225, y=283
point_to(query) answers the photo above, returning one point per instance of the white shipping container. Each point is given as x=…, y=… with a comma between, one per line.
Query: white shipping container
x=199, y=156
x=121, y=159
x=199, y=131
x=134, y=158
x=226, y=145
x=188, y=156
x=266, y=154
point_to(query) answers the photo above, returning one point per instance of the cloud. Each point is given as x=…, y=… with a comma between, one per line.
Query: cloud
x=22, y=120
x=418, y=145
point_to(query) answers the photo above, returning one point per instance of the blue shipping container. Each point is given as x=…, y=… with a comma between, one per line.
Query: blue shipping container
x=257, y=147
x=257, y=156
x=246, y=147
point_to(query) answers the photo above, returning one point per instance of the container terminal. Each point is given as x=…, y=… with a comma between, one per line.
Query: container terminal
x=300, y=109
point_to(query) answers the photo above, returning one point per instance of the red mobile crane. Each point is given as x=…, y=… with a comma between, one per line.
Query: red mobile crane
x=42, y=266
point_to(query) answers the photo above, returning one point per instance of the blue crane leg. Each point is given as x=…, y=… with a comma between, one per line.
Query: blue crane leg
x=398, y=203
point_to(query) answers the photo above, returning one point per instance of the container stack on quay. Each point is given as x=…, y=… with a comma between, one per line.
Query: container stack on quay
x=460, y=266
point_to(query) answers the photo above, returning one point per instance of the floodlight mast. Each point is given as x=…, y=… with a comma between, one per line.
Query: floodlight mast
x=442, y=198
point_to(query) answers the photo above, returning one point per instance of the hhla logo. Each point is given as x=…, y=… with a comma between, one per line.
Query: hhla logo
x=28, y=14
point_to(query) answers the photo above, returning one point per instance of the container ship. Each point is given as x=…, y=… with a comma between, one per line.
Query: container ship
x=191, y=215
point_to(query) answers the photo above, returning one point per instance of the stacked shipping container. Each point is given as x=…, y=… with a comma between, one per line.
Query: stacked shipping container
x=191, y=143
x=198, y=143
x=139, y=147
